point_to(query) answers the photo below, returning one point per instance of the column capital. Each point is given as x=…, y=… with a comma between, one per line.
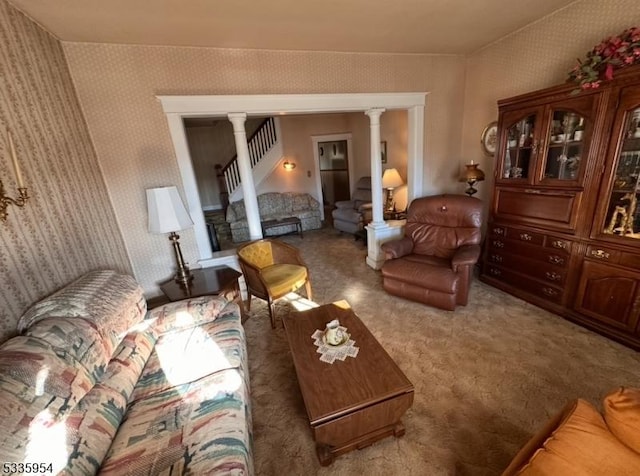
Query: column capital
x=374, y=113
x=237, y=118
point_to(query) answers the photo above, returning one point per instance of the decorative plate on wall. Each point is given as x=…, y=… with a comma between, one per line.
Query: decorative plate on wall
x=489, y=138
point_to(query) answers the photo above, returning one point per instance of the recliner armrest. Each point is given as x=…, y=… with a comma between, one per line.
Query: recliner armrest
x=345, y=204
x=397, y=248
x=365, y=207
x=465, y=255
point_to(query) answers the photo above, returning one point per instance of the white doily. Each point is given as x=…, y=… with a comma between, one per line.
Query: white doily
x=329, y=353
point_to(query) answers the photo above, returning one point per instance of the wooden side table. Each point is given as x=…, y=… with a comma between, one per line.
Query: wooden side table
x=214, y=281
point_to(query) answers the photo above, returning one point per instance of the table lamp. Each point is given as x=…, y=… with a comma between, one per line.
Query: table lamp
x=390, y=179
x=167, y=214
x=472, y=176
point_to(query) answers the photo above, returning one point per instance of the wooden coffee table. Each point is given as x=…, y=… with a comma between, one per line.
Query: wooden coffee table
x=289, y=222
x=350, y=403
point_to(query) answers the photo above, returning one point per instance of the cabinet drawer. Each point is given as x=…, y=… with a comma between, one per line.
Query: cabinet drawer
x=546, y=291
x=498, y=231
x=538, y=253
x=525, y=235
x=603, y=254
x=557, y=209
x=558, y=244
x=630, y=260
x=542, y=271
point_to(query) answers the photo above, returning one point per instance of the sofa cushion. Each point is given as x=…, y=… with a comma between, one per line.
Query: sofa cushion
x=622, y=414
x=582, y=444
x=203, y=427
x=187, y=355
x=410, y=269
x=186, y=313
x=39, y=386
x=273, y=202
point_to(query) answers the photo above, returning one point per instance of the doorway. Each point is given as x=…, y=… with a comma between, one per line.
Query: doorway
x=334, y=173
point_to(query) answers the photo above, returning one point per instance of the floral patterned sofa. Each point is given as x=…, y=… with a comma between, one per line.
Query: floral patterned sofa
x=274, y=206
x=95, y=384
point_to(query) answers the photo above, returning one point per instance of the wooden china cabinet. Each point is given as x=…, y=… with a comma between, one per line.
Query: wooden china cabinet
x=564, y=229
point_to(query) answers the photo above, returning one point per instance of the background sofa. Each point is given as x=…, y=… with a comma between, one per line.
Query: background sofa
x=580, y=441
x=96, y=384
x=274, y=206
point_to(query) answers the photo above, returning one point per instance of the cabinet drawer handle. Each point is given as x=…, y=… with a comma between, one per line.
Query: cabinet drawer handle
x=496, y=258
x=495, y=272
x=498, y=244
x=550, y=291
x=531, y=190
x=526, y=237
x=600, y=254
x=556, y=259
x=553, y=276
x=498, y=231
x=562, y=245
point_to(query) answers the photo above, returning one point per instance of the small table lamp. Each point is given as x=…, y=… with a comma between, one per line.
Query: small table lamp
x=472, y=176
x=167, y=214
x=390, y=179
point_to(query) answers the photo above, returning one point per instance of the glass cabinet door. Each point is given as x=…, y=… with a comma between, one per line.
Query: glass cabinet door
x=519, y=148
x=622, y=216
x=565, y=146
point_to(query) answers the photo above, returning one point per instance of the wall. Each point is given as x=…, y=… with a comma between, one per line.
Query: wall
x=117, y=85
x=68, y=226
x=535, y=57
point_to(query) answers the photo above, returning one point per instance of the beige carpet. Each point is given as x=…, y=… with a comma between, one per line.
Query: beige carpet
x=486, y=376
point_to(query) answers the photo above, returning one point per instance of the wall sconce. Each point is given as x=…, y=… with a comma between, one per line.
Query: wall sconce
x=5, y=200
x=289, y=166
x=390, y=179
x=472, y=176
x=167, y=214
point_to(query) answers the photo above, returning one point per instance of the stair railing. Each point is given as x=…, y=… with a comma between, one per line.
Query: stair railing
x=259, y=144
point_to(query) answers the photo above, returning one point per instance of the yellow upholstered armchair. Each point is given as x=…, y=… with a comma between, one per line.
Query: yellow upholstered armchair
x=271, y=270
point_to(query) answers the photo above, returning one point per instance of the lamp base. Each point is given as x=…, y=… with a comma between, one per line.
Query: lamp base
x=471, y=190
x=388, y=205
x=183, y=275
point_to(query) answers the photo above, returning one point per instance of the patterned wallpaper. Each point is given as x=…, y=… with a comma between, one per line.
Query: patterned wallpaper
x=68, y=226
x=535, y=57
x=117, y=85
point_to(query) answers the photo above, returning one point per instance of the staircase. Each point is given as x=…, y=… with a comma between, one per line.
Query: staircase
x=265, y=152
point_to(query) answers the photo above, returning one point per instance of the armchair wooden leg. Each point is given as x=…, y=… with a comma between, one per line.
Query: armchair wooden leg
x=272, y=313
x=248, y=301
x=307, y=287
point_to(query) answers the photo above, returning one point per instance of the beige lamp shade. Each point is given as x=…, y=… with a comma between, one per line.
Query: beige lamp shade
x=166, y=210
x=391, y=179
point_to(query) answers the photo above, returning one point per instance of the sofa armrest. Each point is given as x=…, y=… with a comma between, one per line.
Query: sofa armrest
x=465, y=255
x=345, y=204
x=397, y=248
x=186, y=313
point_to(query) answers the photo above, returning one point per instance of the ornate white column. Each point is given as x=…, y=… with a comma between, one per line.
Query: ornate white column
x=376, y=166
x=246, y=175
x=378, y=231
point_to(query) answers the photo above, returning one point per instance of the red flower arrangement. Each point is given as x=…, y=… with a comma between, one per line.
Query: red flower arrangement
x=610, y=54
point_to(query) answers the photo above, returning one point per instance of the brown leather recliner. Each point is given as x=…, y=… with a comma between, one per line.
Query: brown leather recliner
x=433, y=262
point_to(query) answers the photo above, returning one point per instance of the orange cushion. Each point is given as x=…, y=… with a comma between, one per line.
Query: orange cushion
x=583, y=445
x=622, y=414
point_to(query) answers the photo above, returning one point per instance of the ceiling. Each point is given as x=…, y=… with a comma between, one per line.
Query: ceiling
x=382, y=26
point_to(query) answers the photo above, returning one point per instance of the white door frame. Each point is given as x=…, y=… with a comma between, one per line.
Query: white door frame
x=177, y=108
x=315, y=140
